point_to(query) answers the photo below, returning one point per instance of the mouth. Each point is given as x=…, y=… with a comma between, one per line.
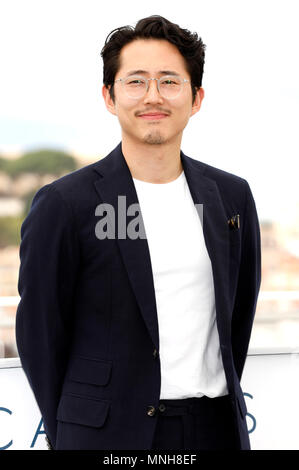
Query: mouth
x=153, y=116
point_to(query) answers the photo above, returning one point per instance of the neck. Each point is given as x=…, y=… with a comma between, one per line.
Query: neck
x=153, y=163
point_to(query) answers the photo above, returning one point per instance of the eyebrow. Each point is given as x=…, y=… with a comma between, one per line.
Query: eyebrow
x=163, y=72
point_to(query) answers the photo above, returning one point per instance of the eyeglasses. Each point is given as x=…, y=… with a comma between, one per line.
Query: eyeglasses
x=169, y=86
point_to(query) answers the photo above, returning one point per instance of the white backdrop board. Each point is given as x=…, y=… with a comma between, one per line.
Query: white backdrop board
x=270, y=384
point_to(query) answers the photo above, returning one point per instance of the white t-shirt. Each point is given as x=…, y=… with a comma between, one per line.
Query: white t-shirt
x=191, y=362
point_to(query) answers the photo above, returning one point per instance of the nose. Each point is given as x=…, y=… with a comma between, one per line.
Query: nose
x=152, y=95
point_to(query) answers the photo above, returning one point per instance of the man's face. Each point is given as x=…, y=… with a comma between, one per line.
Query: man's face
x=152, y=56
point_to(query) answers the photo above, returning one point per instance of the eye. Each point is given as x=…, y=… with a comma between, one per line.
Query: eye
x=171, y=81
x=134, y=81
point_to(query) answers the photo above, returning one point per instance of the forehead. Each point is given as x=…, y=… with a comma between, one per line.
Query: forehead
x=151, y=55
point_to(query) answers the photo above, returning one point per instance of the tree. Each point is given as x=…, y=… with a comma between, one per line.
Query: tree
x=43, y=161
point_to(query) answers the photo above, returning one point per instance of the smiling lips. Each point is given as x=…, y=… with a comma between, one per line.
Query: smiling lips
x=153, y=116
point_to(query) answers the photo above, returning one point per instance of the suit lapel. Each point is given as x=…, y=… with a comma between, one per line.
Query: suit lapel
x=205, y=191
x=115, y=180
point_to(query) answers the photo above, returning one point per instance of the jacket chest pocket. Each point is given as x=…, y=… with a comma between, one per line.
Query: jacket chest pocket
x=234, y=236
x=234, y=229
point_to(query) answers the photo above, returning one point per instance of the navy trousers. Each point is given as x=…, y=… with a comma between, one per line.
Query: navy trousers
x=198, y=423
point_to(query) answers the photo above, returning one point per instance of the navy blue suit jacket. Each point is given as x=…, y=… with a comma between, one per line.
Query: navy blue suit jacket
x=87, y=326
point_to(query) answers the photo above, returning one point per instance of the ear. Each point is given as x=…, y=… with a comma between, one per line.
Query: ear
x=108, y=100
x=200, y=93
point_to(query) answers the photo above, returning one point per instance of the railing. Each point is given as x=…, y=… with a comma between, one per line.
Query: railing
x=275, y=331
x=8, y=301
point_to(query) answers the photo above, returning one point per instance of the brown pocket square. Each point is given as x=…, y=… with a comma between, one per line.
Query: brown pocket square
x=234, y=222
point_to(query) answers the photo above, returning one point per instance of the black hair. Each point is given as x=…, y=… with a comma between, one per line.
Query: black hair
x=154, y=27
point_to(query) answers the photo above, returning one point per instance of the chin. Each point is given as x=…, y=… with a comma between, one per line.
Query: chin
x=154, y=138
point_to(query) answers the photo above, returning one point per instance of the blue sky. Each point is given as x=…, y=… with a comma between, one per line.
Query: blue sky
x=51, y=78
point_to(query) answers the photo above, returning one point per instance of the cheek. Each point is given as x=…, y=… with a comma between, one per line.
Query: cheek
x=125, y=112
x=125, y=107
x=183, y=114
x=127, y=120
x=181, y=106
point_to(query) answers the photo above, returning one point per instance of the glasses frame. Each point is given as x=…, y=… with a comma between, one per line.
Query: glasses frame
x=183, y=80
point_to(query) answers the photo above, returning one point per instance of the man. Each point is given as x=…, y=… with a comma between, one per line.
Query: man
x=133, y=330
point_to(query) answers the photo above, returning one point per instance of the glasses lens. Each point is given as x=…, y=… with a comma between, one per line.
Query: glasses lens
x=135, y=87
x=170, y=87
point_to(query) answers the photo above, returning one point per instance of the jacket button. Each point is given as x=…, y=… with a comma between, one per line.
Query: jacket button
x=162, y=407
x=155, y=353
x=151, y=410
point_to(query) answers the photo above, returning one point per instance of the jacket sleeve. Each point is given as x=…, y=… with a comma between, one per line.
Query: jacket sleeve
x=248, y=284
x=49, y=258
